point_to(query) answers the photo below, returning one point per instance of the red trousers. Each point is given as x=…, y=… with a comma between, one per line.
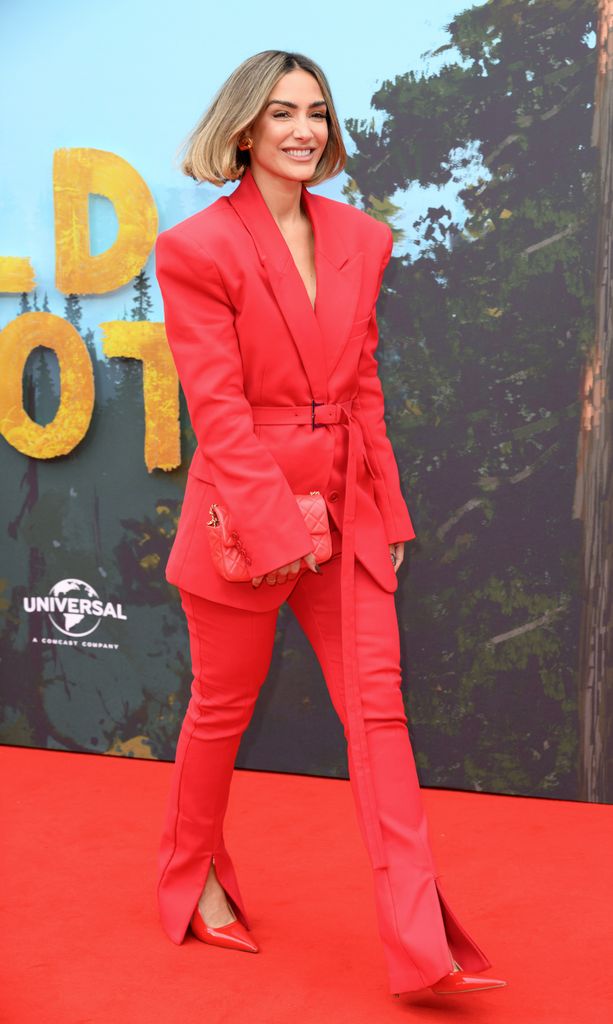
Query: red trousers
x=231, y=650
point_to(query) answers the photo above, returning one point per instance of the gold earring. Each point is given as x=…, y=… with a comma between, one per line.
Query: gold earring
x=247, y=145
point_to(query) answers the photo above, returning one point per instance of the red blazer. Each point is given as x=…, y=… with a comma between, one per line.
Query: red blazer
x=243, y=333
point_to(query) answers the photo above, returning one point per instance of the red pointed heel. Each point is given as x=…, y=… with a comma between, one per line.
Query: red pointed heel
x=458, y=982
x=231, y=936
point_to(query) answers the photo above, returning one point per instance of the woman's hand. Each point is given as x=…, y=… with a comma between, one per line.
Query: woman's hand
x=287, y=572
x=397, y=550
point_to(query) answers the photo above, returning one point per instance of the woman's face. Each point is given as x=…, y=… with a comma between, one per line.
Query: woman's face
x=290, y=134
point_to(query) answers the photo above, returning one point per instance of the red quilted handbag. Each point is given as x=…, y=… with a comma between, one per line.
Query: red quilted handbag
x=233, y=561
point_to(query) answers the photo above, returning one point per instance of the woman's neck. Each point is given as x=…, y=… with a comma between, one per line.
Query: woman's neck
x=281, y=196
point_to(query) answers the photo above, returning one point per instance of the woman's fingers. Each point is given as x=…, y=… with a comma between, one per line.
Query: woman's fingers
x=397, y=554
x=280, y=575
x=288, y=572
x=292, y=569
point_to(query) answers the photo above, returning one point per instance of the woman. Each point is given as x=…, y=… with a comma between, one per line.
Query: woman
x=269, y=301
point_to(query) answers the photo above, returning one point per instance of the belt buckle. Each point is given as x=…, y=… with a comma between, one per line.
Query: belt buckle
x=313, y=423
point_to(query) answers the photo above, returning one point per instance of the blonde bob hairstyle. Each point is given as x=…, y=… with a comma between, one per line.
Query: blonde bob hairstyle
x=211, y=153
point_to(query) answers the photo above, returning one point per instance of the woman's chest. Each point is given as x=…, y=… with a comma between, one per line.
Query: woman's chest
x=281, y=336
x=301, y=246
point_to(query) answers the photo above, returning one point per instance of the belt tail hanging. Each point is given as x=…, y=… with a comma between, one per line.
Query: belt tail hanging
x=354, y=709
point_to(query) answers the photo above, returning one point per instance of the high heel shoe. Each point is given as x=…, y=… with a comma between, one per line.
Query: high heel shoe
x=457, y=982
x=231, y=936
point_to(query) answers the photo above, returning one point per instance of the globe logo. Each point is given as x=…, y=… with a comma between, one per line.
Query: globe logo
x=76, y=609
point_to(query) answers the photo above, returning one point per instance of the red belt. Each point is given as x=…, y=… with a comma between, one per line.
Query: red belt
x=319, y=415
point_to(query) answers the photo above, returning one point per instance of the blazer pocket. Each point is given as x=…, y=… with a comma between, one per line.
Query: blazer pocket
x=199, y=476
x=358, y=331
x=359, y=326
x=199, y=468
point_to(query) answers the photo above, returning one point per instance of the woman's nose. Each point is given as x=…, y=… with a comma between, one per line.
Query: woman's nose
x=302, y=130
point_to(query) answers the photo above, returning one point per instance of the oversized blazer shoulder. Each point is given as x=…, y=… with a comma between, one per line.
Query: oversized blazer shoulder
x=242, y=332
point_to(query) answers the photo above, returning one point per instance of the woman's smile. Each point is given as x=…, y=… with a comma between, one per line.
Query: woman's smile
x=299, y=154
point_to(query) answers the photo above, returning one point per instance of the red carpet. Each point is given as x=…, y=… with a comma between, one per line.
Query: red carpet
x=532, y=879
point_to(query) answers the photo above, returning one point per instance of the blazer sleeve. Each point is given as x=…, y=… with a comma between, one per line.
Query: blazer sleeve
x=199, y=322
x=369, y=409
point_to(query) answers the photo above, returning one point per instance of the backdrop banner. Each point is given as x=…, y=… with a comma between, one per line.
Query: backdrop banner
x=487, y=147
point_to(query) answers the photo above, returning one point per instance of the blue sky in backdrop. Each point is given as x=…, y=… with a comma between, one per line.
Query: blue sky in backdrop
x=133, y=77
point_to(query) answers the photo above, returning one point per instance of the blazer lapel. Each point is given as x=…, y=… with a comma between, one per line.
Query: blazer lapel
x=319, y=335
x=339, y=276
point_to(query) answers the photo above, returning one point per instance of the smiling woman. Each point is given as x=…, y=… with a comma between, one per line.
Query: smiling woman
x=269, y=301
x=254, y=92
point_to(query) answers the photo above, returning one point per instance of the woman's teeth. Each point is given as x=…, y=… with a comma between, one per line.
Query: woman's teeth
x=299, y=154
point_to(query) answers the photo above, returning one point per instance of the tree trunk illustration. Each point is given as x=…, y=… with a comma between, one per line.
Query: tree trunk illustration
x=593, y=502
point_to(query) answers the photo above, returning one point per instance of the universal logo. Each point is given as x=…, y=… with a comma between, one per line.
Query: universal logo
x=75, y=610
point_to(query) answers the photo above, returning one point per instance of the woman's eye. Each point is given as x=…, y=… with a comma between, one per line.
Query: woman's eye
x=279, y=114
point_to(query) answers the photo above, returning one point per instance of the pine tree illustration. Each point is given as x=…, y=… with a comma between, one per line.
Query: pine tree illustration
x=142, y=301
x=72, y=311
